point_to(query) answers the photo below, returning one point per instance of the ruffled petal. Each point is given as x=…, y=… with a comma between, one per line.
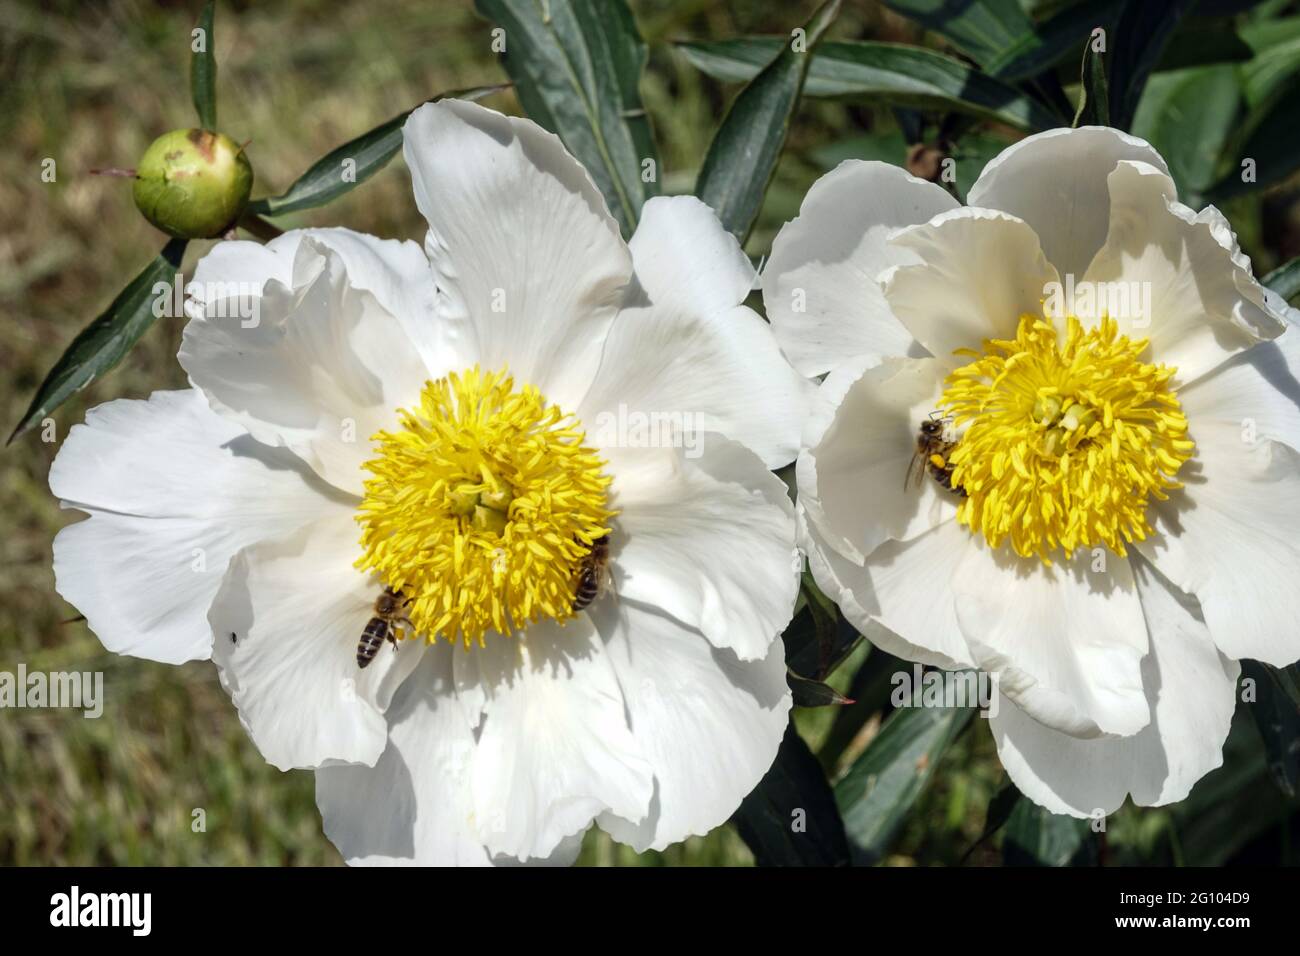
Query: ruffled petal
x=708, y=724
x=287, y=622
x=529, y=264
x=1057, y=182
x=684, y=356
x=319, y=369
x=820, y=285
x=980, y=271
x=1231, y=537
x=173, y=491
x=1191, y=690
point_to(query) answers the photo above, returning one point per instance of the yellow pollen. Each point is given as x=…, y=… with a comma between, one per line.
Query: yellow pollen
x=481, y=508
x=1065, y=443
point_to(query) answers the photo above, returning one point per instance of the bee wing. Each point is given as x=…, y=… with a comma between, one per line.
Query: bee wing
x=912, y=469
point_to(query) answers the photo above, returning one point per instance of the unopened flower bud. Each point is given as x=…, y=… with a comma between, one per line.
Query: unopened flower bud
x=193, y=183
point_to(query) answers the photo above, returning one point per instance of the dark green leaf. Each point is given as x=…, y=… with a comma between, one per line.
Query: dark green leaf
x=996, y=816
x=1200, y=42
x=813, y=693
x=1035, y=837
x=1267, y=148
x=879, y=73
x=1267, y=138
x=577, y=67
x=1188, y=115
x=1277, y=714
x=818, y=638
x=981, y=28
x=370, y=151
x=203, y=71
x=1285, y=279
x=880, y=788
x=791, y=819
x=1134, y=47
x=1047, y=44
x=1094, y=92
x=102, y=344
x=744, y=151
x=1230, y=806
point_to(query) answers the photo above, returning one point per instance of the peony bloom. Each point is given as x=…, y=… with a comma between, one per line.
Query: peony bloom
x=1120, y=420
x=461, y=424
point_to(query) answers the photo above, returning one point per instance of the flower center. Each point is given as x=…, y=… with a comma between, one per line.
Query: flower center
x=482, y=507
x=1065, y=442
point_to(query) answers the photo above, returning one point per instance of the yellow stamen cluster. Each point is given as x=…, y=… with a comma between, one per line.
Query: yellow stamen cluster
x=481, y=507
x=1064, y=442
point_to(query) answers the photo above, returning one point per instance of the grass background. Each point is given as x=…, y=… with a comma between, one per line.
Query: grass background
x=91, y=85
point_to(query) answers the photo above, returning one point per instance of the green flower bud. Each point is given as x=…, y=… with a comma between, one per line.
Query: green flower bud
x=193, y=183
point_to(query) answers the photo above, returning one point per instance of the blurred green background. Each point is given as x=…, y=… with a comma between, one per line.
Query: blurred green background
x=90, y=85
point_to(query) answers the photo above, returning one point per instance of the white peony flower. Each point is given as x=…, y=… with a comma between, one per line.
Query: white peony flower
x=1122, y=403
x=460, y=424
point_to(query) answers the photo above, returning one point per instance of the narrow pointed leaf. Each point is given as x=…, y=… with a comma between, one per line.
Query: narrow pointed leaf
x=879, y=790
x=1188, y=116
x=102, y=344
x=1285, y=279
x=983, y=29
x=1134, y=47
x=744, y=151
x=1094, y=92
x=790, y=819
x=577, y=66
x=880, y=73
x=1052, y=41
x=351, y=164
x=203, y=71
x=813, y=693
x=1035, y=837
x=1277, y=715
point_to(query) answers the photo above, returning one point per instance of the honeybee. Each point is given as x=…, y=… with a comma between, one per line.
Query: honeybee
x=932, y=440
x=389, y=618
x=593, y=574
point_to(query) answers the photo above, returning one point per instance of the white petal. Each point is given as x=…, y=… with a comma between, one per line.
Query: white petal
x=980, y=271
x=1056, y=182
x=554, y=750
x=414, y=806
x=1231, y=537
x=685, y=261
x=1191, y=690
x=323, y=368
x=529, y=264
x=1256, y=392
x=173, y=491
x=235, y=273
x=854, y=481
x=709, y=540
x=1065, y=643
x=820, y=284
x=684, y=356
x=1204, y=306
x=708, y=724
x=902, y=599
x=296, y=609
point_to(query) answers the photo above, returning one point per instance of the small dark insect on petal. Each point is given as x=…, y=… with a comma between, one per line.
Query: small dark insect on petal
x=232, y=637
